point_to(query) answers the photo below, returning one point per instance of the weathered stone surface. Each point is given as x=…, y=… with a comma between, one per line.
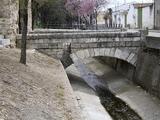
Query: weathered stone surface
x=80, y=54
x=84, y=44
x=112, y=52
x=91, y=52
x=148, y=70
x=118, y=53
x=107, y=51
x=130, y=57
x=86, y=53
x=102, y=52
x=153, y=41
x=134, y=59
x=125, y=54
x=96, y=51
x=9, y=19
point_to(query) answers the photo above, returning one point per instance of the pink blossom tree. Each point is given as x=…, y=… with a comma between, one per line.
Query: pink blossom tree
x=84, y=8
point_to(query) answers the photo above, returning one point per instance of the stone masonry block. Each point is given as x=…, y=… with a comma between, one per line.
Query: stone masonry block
x=107, y=51
x=102, y=52
x=91, y=52
x=125, y=54
x=80, y=54
x=130, y=57
x=118, y=53
x=133, y=60
x=128, y=43
x=92, y=45
x=93, y=39
x=136, y=39
x=74, y=57
x=84, y=45
x=75, y=46
x=86, y=53
x=112, y=52
x=122, y=44
x=96, y=51
x=136, y=43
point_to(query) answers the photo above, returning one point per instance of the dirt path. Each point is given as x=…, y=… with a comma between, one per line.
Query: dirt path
x=38, y=91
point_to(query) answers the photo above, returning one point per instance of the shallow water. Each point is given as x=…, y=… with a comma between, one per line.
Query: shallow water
x=117, y=109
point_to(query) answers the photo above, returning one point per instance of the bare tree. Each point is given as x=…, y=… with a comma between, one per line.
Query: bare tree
x=24, y=13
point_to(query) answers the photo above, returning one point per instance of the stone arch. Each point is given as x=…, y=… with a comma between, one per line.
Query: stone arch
x=121, y=54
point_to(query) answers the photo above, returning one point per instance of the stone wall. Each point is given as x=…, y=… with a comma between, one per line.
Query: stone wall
x=123, y=67
x=157, y=14
x=9, y=19
x=53, y=44
x=148, y=70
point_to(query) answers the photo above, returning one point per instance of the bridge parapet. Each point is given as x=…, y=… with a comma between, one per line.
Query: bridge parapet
x=58, y=40
x=54, y=44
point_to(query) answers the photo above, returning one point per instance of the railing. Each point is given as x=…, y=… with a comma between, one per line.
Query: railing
x=83, y=26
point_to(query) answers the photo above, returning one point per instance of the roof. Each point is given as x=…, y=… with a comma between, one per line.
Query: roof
x=142, y=5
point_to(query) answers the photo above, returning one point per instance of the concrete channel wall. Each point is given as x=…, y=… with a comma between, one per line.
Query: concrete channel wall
x=148, y=66
x=146, y=73
x=148, y=70
x=121, y=66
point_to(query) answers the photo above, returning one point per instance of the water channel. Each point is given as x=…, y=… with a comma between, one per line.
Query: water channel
x=97, y=102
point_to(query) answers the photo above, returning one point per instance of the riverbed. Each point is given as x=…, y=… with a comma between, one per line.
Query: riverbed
x=136, y=102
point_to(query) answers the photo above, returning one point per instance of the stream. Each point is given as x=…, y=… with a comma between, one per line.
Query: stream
x=110, y=107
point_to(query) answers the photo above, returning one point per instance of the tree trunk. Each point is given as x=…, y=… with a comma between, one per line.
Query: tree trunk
x=96, y=20
x=24, y=31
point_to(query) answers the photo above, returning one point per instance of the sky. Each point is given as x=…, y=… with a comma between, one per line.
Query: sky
x=116, y=2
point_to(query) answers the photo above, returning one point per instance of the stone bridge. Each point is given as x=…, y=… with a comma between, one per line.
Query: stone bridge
x=84, y=44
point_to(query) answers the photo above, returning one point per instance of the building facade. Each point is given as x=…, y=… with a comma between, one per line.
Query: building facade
x=134, y=15
x=157, y=14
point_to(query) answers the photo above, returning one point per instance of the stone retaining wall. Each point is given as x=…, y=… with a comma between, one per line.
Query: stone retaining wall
x=9, y=19
x=121, y=66
x=148, y=70
x=148, y=65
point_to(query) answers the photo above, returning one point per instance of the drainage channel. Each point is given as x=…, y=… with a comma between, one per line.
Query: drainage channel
x=117, y=108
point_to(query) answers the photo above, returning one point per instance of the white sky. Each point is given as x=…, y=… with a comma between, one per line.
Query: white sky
x=118, y=2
